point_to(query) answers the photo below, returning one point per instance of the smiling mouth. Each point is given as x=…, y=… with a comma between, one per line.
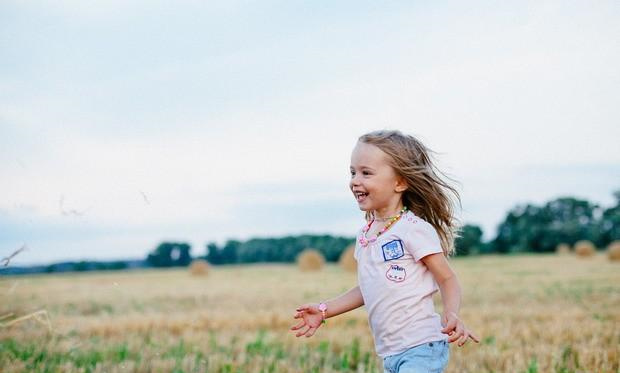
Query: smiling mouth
x=360, y=196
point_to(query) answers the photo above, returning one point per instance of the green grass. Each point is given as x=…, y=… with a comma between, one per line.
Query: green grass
x=40, y=357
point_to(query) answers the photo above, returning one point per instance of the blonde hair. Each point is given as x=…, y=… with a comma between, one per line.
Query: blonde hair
x=427, y=193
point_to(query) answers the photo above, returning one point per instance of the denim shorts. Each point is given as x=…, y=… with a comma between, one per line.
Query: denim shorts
x=430, y=357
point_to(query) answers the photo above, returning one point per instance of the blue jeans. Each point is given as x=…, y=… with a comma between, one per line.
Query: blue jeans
x=431, y=357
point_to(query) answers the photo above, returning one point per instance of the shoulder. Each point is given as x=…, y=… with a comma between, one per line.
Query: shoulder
x=421, y=238
x=415, y=224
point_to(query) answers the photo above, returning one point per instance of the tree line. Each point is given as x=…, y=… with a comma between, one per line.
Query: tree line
x=525, y=228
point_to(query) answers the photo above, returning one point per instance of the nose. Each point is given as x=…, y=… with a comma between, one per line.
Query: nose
x=354, y=181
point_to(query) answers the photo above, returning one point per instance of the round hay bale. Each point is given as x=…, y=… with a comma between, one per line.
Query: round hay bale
x=562, y=249
x=613, y=251
x=199, y=267
x=584, y=249
x=310, y=260
x=347, y=260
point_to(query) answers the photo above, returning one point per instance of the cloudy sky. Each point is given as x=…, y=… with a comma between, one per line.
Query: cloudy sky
x=125, y=123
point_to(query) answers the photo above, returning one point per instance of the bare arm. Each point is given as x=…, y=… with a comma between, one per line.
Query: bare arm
x=312, y=318
x=450, y=297
x=447, y=281
x=345, y=302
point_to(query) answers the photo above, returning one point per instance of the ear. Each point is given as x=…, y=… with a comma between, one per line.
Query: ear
x=401, y=185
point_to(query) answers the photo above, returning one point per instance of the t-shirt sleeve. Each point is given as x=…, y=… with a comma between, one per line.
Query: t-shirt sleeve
x=422, y=240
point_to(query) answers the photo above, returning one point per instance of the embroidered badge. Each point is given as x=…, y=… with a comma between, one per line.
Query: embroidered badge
x=396, y=273
x=393, y=250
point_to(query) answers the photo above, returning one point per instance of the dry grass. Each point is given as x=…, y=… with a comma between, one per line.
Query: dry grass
x=613, y=251
x=6, y=260
x=310, y=260
x=199, y=267
x=347, y=260
x=585, y=249
x=39, y=316
x=563, y=249
x=534, y=314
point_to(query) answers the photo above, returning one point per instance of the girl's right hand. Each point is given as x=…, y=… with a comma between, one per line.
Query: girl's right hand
x=310, y=317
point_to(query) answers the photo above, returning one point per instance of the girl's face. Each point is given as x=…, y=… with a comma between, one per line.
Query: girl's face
x=375, y=184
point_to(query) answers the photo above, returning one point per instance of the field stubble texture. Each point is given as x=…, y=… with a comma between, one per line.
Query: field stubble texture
x=534, y=314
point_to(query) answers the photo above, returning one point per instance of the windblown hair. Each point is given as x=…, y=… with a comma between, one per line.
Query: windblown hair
x=427, y=194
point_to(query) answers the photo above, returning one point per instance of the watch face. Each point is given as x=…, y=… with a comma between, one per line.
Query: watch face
x=322, y=307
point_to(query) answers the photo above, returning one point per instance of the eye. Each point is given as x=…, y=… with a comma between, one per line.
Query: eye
x=352, y=172
x=366, y=173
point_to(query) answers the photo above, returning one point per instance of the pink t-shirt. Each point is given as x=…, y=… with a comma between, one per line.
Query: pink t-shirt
x=397, y=287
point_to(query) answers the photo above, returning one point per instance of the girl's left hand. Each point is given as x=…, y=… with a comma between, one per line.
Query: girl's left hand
x=456, y=330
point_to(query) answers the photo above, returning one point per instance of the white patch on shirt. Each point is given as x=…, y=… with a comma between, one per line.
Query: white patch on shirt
x=396, y=273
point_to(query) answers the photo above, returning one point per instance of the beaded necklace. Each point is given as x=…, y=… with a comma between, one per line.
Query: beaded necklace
x=365, y=241
x=385, y=219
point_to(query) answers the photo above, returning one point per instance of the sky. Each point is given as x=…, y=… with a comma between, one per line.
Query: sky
x=127, y=123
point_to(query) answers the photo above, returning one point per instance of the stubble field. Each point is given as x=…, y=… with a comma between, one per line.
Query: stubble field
x=534, y=314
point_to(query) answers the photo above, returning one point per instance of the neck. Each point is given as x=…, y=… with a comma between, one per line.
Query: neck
x=388, y=212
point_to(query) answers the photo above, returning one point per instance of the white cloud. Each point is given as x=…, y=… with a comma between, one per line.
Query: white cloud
x=219, y=111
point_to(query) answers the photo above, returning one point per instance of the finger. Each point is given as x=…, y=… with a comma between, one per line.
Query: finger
x=454, y=336
x=300, y=333
x=449, y=326
x=463, y=339
x=304, y=307
x=458, y=331
x=298, y=326
x=474, y=337
x=298, y=315
x=311, y=332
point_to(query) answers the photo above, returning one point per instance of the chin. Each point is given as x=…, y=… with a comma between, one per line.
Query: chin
x=362, y=208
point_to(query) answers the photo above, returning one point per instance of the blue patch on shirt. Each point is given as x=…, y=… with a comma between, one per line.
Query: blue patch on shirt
x=393, y=250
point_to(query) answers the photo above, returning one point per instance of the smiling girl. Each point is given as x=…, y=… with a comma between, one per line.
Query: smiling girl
x=402, y=252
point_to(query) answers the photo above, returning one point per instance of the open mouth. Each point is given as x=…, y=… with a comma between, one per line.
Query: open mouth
x=360, y=196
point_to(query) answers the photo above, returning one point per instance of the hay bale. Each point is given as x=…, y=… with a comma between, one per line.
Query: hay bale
x=562, y=249
x=310, y=260
x=199, y=267
x=613, y=251
x=347, y=260
x=585, y=249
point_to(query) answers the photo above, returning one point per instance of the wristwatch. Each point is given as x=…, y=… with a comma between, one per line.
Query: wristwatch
x=323, y=309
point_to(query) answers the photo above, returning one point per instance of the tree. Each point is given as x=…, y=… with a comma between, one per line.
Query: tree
x=609, y=224
x=214, y=254
x=283, y=250
x=541, y=229
x=469, y=241
x=170, y=254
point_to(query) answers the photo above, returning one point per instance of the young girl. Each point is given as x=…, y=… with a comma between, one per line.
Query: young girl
x=401, y=255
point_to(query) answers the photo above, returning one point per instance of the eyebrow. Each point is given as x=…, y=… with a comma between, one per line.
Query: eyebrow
x=362, y=167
